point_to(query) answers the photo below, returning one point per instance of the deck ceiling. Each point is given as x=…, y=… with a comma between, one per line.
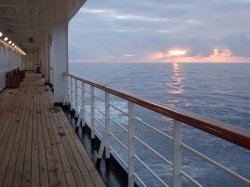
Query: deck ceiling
x=26, y=22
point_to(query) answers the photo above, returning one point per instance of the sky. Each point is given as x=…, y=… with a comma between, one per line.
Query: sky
x=161, y=31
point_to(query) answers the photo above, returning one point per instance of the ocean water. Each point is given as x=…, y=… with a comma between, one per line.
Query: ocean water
x=217, y=91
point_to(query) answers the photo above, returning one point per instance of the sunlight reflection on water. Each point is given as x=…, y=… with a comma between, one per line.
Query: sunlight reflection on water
x=176, y=84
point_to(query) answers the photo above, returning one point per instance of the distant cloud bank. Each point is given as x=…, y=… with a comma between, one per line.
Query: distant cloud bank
x=146, y=30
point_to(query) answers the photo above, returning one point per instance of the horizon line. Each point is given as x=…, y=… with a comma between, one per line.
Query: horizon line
x=82, y=62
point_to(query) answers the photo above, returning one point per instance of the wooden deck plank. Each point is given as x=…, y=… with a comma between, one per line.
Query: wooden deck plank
x=83, y=161
x=6, y=106
x=86, y=161
x=10, y=116
x=17, y=180
x=52, y=176
x=67, y=143
x=96, y=178
x=4, y=113
x=8, y=140
x=37, y=147
x=4, y=122
x=35, y=176
x=14, y=154
x=44, y=178
x=26, y=181
x=71, y=181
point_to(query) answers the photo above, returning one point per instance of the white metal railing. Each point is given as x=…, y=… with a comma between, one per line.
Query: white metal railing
x=90, y=105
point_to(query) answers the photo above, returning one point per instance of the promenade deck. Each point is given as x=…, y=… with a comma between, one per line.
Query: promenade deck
x=38, y=146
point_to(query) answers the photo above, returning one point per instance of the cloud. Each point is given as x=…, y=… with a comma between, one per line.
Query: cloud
x=238, y=43
x=108, y=30
x=216, y=55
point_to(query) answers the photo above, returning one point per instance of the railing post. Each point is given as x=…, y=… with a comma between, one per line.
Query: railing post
x=68, y=90
x=131, y=139
x=107, y=124
x=83, y=104
x=71, y=94
x=177, y=154
x=82, y=111
x=66, y=97
x=106, y=136
x=92, y=112
x=76, y=99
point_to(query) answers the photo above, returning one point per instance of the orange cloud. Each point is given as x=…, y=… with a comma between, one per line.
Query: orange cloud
x=217, y=55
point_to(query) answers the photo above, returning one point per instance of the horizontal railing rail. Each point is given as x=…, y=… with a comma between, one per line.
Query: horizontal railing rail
x=89, y=107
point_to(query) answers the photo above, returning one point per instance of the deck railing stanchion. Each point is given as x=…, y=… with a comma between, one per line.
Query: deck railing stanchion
x=68, y=90
x=82, y=111
x=131, y=141
x=76, y=99
x=92, y=112
x=66, y=98
x=71, y=94
x=177, y=153
x=106, y=137
x=107, y=124
x=83, y=104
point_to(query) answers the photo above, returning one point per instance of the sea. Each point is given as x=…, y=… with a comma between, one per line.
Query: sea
x=219, y=91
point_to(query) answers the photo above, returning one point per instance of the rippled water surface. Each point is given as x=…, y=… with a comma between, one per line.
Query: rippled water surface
x=220, y=91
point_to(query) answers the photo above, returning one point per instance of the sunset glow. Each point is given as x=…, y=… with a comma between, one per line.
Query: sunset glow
x=176, y=53
x=216, y=55
x=129, y=55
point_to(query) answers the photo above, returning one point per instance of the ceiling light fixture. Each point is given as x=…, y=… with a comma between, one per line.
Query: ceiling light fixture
x=12, y=44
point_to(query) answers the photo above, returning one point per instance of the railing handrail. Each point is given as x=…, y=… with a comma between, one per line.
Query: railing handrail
x=220, y=129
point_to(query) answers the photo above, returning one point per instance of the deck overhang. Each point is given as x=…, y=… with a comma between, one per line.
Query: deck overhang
x=40, y=29
x=27, y=22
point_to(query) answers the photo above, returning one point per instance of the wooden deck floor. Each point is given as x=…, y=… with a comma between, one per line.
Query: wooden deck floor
x=37, y=147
